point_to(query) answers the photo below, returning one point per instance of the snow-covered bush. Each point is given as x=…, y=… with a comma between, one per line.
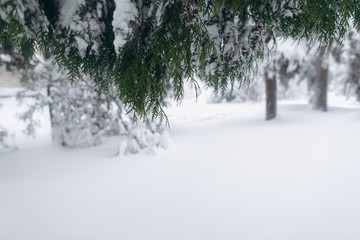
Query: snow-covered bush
x=80, y=116
x=3, y=135
x=352, y=82
x=241, y=93
x=343, y=60
x=4, y=139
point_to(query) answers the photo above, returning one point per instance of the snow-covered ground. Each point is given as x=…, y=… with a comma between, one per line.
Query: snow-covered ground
x=227, y=175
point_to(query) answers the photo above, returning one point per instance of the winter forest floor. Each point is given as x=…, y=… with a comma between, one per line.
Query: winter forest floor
x=226, y=175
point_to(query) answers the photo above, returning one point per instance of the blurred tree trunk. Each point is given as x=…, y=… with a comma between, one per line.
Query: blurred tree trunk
x=51, y=107
x=271, y=88
x=319, y=99
x=270, y=84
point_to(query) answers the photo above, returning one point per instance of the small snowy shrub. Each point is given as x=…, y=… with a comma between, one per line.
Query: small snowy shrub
x=352, y=82
x=80, y=116
x=249, y=92
x=4, y=140
x=3, y=135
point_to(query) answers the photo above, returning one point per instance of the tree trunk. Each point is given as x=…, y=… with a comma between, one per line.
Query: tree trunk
x=321, y=83
x=271, y=99
x=50, y=111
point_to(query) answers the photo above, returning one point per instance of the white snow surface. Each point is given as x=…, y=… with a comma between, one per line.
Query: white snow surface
x=68, y=9
x=228, y=175
x=125, y=12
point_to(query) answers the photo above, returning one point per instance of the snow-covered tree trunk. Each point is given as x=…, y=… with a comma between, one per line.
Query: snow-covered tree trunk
x=271, y=88
x=48, y=89
x=319, y=99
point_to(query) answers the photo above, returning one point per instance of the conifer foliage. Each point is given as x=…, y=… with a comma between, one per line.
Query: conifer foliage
x=144, y=46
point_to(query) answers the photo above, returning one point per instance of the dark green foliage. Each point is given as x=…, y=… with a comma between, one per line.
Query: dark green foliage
x=170, y=41
x=12, y=38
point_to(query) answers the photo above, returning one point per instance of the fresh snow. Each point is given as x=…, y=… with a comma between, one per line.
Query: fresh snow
x=68, y=9
x=125, y=12
x=227, y=175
